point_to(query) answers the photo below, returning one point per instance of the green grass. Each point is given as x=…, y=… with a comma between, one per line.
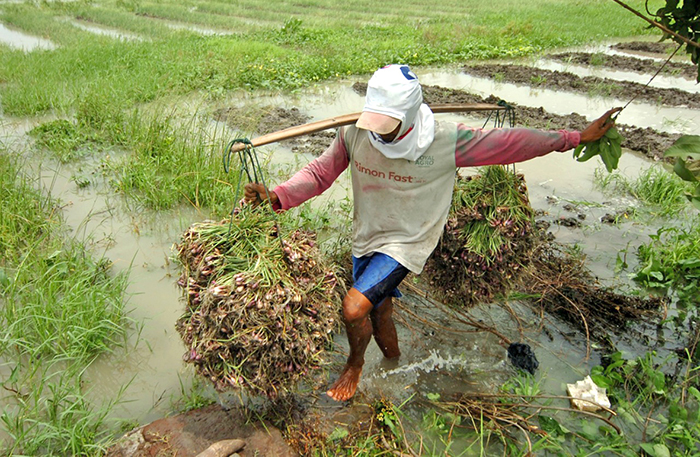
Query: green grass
x=325, y=39
x=57, y=300
x=662, y=192
x=51, y=414
x=174, y=161
x=60, y=309
x=671, y=260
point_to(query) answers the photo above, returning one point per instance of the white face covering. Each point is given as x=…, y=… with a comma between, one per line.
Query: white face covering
x=409, y=145
x=395, y=91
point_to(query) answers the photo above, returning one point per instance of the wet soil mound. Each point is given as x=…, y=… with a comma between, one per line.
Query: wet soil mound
x=650, y=47
x=647, y=141
x=591, y=85
x=273, y=118
x=616, y=62
x=193, y=432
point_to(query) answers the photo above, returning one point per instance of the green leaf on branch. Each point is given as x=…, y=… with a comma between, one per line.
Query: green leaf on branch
x=683, y=172
x=687, y=146
x=609, y=147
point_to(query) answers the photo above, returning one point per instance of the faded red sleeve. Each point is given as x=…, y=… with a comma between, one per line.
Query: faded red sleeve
x=478, y=147
x=314, y=178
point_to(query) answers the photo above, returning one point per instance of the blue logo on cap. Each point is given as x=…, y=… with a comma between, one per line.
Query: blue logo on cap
x=407, y=72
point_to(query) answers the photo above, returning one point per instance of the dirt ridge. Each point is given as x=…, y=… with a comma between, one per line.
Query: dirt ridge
x=617, y=62
x=565, y=81
x=648, y=141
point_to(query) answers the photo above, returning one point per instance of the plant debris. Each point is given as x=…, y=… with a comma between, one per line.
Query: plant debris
x=566, y=288
x=260, y=309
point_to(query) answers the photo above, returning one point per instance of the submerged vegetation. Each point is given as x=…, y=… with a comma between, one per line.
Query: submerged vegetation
x=60, y=308
x=662, y=192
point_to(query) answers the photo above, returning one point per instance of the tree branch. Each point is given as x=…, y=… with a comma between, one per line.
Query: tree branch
x=656, y=24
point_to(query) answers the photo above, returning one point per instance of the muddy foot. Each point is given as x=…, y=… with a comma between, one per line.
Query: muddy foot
x=344, y=388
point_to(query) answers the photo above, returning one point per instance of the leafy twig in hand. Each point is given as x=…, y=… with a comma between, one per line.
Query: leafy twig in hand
x=609, y=147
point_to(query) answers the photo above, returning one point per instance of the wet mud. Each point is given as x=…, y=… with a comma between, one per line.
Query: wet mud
x=650, y=47
x=591, y=85
x=192, y=433
x=647, y=141
x=270, y=119
x=618, y=62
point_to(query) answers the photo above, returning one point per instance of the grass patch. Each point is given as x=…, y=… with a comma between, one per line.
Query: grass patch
x=51, y=415
x=171, y=162
x=671, y=259
x=61, y=137
x=57, y=300
x=662, y=191
x=60, y=308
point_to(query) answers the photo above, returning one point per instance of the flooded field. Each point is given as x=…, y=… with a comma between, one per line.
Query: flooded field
x=440, y=355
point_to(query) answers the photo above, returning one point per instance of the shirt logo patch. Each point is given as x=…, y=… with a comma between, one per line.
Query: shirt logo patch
x=425, y=161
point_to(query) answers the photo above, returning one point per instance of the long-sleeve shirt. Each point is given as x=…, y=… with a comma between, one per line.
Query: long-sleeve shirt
x=401, y=206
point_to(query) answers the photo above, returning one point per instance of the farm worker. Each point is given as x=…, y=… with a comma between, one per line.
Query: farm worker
x=403, y=165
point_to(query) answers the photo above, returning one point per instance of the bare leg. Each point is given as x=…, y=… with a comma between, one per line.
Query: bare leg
x=385, y=330
x=356, y=309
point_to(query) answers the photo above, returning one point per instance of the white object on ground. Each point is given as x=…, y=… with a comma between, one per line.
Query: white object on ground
x=587, y=396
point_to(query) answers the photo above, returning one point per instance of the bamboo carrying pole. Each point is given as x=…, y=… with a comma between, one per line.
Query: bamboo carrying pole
x=339, y=121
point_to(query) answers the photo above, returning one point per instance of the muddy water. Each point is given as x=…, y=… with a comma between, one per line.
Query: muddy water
x=434, y=360
x=100, y=30
x=194, y=28
x=23, y=41
x=661, y=81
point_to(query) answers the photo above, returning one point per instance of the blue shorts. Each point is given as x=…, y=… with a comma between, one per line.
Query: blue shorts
x=377, y=276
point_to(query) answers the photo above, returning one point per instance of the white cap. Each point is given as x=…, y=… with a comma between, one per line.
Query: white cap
x=392, y=92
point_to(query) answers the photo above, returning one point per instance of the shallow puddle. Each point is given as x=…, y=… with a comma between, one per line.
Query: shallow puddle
x=194, y=28
x=100, y=30
x=23, y=41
